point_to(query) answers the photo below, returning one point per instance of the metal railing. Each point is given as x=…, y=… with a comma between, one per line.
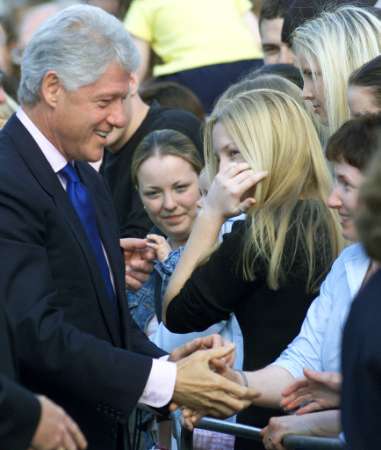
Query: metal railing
x=184, y=437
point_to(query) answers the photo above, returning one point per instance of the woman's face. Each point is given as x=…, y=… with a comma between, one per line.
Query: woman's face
x=344, y=196
x=224, y=148
x=361, y=101
x=168, y=187
x=313, y=90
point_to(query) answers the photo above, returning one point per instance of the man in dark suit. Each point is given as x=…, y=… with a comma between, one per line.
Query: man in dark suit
x=63, y=272
x=25, y=419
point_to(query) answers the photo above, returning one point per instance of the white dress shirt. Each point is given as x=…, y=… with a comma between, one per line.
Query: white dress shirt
x=318, y=345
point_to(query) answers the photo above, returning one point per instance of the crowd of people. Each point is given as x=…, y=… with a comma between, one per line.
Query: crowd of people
x=190, y=219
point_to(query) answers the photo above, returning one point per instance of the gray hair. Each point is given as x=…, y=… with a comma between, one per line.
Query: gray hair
x=79, y=43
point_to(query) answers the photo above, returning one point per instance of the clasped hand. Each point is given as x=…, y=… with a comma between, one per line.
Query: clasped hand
x=203, y=387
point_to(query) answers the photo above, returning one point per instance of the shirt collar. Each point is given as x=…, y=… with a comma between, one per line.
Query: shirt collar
x=55, y=158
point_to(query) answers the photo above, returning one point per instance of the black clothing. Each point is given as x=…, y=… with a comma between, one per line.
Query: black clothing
x=361, y=368
x=116, y=167
x=19, y=409
x=269, y=319
x=73, y=345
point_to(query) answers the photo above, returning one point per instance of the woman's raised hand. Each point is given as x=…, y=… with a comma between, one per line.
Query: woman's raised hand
x=232, y=190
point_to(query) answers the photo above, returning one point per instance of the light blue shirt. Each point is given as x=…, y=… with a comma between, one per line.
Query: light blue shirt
x=318, y=345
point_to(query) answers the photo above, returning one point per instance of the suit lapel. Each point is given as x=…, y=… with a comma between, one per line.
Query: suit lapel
x=45, y=176
x=109, y=237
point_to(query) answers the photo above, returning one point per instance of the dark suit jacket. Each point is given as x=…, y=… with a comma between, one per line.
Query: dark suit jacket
x=19, y=408
x=361, y=367
x=71, y=343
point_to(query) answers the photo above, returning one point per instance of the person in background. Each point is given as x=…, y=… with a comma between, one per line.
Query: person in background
x=288, y=71
x=261, y=271
x=361, y=351
x=364, y=89
x=172, y=95
x=270, y=27
x=206, y=46
x=328, y=49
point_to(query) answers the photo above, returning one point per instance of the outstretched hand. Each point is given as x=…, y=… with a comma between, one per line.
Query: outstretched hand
x=315, y=392
x=138, y=260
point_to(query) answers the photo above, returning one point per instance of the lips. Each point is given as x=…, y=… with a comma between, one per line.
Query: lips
x=173, y=219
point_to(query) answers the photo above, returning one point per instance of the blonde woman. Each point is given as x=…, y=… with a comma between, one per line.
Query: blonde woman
x=328, y=49
x=269, y=268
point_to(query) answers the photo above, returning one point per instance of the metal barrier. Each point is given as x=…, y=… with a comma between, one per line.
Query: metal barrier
x=184, y=438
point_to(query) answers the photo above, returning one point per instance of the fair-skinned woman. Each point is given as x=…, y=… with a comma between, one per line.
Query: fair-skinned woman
x=318, y=345
x=267, y=269
x=165, y=170
x=328, y=49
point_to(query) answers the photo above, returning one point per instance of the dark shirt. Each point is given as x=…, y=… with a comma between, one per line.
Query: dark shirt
x=361, y=367
x=116, y=167
x=269, y=319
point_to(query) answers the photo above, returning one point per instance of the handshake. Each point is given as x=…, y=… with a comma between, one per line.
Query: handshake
x=205, y=383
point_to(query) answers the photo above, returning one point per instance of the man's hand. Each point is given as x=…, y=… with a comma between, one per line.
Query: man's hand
x=317, y=391
x=56, y=429
x=202, y=343
x=138, y=259
x=201, y=389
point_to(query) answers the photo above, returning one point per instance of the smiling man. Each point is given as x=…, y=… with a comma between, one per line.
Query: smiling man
x=63, y=274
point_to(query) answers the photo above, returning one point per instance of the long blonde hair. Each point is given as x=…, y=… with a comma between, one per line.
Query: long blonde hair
x=339, y=41
x=274, y=133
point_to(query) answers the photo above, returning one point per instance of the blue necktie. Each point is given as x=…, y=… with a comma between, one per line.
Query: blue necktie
x=83, y=205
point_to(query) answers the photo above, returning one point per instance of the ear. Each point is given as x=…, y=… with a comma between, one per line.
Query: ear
x=133, y=83
x=51, y=88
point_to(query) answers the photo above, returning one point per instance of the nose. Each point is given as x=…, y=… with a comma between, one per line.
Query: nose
x=286, y=55
x=169, y=202
x=307, y=89
x=200, y=202
x=334, y=200
x=117, y=116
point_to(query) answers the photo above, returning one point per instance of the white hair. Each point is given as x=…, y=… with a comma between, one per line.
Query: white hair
x=78, y=43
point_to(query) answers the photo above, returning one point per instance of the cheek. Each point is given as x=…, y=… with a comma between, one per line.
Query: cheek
x=152, y=207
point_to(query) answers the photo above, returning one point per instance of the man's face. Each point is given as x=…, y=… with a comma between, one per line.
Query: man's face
x=275, y=51
x=81, y=120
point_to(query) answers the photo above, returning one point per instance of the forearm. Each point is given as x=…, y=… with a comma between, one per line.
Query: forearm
x=325, y=423
x=200, y=243
x=269, y=382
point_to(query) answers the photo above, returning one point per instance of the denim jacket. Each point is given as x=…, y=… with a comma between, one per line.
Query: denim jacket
x=142, y=302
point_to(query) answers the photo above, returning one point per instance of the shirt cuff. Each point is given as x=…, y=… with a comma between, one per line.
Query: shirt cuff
x=160, y=384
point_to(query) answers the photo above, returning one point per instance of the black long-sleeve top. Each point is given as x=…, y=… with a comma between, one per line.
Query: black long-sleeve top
x=269, y=319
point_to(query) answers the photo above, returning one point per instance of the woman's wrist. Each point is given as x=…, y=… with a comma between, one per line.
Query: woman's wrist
x=242, y=377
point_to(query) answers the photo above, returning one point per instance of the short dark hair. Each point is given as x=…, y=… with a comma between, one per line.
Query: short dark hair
x=273, y=9
x=369, y=217
x=356, y=141
x=369, y=75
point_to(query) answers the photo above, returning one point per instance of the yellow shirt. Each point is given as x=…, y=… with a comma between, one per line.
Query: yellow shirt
x=187, y=34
